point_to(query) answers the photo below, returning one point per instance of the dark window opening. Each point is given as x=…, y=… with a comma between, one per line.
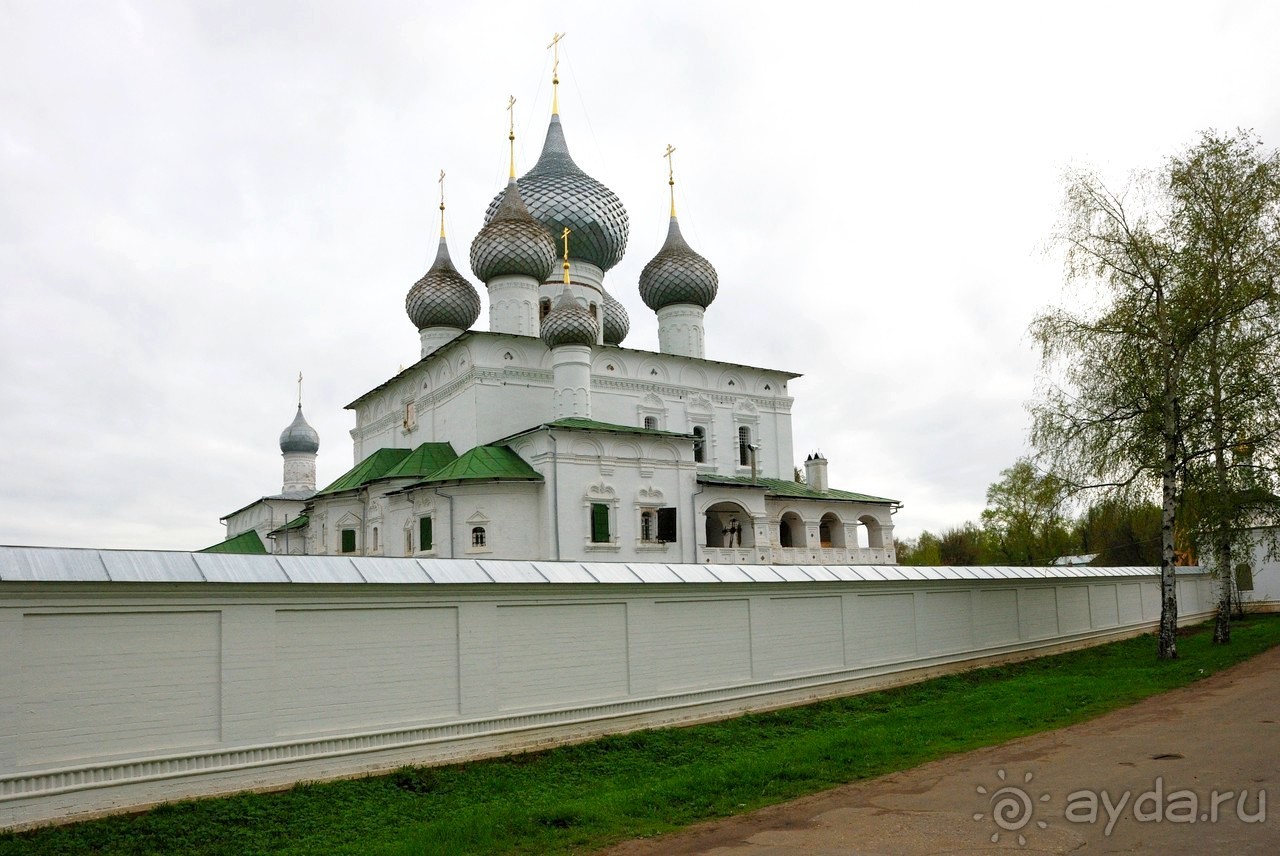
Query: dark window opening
x=477, y=536
x=667, y=525
x=699, y=444
x=600, y=523
x=348, y=541
x=744, y=446
x=424, y=533
x=651, y=422
x=647, y=519
x=544, y=308
x=1244, y=577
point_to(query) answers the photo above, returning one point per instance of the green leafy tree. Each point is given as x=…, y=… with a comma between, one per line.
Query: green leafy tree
x=1122, y=532
x=1024, y=522
x=1146, y=377
x=1226, y=195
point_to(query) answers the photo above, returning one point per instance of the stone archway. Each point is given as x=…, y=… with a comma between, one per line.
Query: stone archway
x=729, y=525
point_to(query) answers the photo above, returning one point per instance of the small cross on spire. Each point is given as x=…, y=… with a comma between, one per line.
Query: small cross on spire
x=441, y=181
x=299, y=390
x=511, y=134
x=565, y=235
x=555, y=72
x=671, y=175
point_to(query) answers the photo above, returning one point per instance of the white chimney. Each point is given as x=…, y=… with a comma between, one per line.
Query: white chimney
x=815, y=472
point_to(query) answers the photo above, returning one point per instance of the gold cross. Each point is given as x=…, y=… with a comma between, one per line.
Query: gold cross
x=671, y=175
x=441, y=180
x=555, y=46
x=299, y=390
x=511, y=109
x=565, y=235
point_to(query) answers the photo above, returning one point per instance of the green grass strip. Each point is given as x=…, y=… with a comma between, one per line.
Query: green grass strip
x=579, y=797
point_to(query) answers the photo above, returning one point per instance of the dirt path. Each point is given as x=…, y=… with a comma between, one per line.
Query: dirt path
x=1222, y=734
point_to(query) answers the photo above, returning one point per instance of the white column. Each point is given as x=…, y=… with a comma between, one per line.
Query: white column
x=571, y=376
x=513, y=305
x=680, y=330
x=433, y=338
x=299, y=471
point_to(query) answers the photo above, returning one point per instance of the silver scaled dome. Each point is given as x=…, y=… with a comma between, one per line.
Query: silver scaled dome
x=568, y=324
x=559, y=195
x=443, y=297
x=616, y=321
x=513, y=242
x=299, y=436
x=678, y=275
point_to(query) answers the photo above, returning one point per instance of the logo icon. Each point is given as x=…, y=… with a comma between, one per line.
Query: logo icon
x=1011, y=807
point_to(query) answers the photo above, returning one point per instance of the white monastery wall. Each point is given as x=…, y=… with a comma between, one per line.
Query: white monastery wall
x=131, y=677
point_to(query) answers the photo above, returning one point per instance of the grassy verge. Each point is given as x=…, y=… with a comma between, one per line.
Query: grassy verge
x=575, y=798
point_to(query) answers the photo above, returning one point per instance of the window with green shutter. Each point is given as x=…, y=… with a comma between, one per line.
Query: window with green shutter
x=424, y=533
x=667, y=525
x=348, y=540
x=600, y=523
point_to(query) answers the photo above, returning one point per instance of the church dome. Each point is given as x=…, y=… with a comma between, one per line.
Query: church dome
x=569, y=324
x=559, y=195
x=616, y=322
x=299, y=436
x=513, y=242
x=443, y=297
x=678, y=275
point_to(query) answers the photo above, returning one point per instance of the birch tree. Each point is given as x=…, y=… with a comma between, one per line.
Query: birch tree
x=1152, y=377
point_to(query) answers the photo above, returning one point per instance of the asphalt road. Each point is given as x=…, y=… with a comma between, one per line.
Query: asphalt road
x=1173, y=767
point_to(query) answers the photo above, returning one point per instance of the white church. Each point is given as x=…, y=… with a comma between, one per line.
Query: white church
x=544, y=438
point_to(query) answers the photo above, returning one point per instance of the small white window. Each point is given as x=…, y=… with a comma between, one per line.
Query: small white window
x=651, y=422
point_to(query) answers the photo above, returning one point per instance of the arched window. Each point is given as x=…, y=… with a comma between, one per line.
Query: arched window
x=744, y=446
x=544, y=308
x=646, y=525
x=784, y=534
x=375, y=538
x=477, y=536
x=699, y=444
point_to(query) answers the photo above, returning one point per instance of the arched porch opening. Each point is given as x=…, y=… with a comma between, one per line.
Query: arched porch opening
x=729, y=525
x=831, y=531
x=874, y=532
x=791, y=530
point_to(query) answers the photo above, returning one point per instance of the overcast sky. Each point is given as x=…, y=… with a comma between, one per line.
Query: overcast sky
x=199, y=200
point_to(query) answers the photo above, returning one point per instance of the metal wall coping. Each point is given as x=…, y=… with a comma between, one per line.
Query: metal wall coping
x=84, y=565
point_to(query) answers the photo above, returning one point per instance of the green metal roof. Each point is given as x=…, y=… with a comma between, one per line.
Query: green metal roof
x=423, y=461
x=576, y=423
x=372, y=467
x=245, y=542
x=783, y=487
x=485, y=462
x=296, y=523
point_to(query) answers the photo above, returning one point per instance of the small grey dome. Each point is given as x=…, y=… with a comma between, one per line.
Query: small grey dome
x=616, y=321
x=560, y=195
x=299, y=436
x=513, y=242
x=569, y=324
x=678, y=275
x=443, y=297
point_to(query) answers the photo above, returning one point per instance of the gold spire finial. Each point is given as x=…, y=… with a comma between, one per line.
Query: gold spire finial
x=511, y=134
x=555, y=73
x=441, y=203
x=299, y=390
x=671, y=175
x=565, y=235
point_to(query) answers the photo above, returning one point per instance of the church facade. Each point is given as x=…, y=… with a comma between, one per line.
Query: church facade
x=545, y=438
